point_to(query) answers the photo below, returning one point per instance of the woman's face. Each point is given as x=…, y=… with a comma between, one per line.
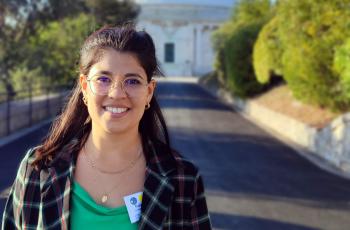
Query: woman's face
x=116, y=111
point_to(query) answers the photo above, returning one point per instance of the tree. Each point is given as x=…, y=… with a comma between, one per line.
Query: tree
x=105, y=12
x=50, y=33
x=55, y=47
x=112, y=12
x=12, y=27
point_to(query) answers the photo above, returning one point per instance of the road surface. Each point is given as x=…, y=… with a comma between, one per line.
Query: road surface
x=252, y=180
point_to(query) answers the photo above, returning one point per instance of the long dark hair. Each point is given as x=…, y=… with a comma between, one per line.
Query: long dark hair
x=74, y=122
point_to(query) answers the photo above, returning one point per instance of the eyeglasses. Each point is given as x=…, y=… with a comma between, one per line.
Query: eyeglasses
x=132, y=86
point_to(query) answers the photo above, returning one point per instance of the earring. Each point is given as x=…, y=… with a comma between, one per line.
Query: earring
x=87, y=121
x=85, y=100
x=147, y=106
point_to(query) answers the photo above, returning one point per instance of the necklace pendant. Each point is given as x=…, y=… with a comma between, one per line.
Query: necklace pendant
x=104, y=198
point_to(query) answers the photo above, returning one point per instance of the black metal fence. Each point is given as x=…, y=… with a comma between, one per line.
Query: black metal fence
x=24, y=108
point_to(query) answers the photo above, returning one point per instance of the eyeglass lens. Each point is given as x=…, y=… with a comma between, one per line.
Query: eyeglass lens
x=132, y=86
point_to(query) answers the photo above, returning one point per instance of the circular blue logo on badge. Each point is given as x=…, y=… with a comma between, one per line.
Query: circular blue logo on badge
x=133, y=200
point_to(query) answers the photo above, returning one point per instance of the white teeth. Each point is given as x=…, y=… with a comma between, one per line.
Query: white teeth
x=116, y=110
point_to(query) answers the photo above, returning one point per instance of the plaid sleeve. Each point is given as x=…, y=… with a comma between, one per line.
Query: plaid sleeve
x=13, y=209
x=199, y=212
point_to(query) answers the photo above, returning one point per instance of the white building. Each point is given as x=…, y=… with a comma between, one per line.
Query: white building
x=181, y=30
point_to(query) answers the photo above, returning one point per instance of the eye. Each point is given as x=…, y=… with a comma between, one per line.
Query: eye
x=132, y=81
x=103, y=80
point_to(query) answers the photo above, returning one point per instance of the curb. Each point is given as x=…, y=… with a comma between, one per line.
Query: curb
x=305, y=133
x=183, y=79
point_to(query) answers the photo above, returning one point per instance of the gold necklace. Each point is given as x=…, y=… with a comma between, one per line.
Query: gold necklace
x=105, y=196
x=93, y=164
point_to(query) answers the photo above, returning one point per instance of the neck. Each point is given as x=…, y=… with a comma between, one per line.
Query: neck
x=111, y=148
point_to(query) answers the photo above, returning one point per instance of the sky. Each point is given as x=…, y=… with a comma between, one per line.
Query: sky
x=196, y=2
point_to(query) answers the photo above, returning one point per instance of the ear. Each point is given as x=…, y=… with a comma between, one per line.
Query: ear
x=83, y=82
x=151, y=87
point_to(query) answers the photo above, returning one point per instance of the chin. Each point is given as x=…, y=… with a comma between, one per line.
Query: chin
x=115, y=130
x=119, y=129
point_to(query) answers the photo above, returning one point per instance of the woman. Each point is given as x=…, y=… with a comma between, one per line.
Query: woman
x=107, y=162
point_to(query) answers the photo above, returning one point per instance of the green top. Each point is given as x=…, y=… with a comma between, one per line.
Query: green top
x=86, y=214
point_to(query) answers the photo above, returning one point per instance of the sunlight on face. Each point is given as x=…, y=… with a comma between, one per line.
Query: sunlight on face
x=115, y=111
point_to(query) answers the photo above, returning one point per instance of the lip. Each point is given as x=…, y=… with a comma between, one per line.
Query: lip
x=115, y=105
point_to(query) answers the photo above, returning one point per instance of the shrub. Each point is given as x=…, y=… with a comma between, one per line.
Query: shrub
x=238, y=61
x=310, y=32
x=267, y=53
x=234, y=42
x=342, y=68
x=219, y=39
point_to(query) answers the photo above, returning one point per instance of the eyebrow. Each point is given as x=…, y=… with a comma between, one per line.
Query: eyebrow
x=133, y=75
x=105, y=72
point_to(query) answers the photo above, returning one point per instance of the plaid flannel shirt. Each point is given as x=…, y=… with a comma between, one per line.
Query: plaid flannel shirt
x=173, y=195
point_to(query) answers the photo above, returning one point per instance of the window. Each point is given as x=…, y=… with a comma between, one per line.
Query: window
x=169, y=52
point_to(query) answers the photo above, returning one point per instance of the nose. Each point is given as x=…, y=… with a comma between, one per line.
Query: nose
x=117, y=90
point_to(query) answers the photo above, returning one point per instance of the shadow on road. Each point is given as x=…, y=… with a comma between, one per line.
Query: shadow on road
x=187, y=95
x=244, y=222
x=252, y=180
x=258, y=165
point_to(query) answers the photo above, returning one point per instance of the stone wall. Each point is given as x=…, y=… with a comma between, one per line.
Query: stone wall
x=332, y=142
x=42, y=108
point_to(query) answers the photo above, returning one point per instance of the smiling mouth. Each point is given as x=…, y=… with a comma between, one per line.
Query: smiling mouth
x=115, y=110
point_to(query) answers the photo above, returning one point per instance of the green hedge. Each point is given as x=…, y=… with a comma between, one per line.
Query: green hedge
x=341, y=67
x=267, y=53
x=310, y=38
x=234, y=43
x=307, y=42
x=238, y=64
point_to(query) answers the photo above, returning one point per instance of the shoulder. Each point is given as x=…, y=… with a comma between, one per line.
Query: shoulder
x=186, y=179
x=189, y=195
x=22, y=177
x=173, y=164
x=25, y=166
x=184, y=166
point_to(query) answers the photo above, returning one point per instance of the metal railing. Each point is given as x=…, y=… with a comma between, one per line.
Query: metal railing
x=24, y=108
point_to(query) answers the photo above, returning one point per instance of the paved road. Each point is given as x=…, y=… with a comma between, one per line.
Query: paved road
x=252, y=180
